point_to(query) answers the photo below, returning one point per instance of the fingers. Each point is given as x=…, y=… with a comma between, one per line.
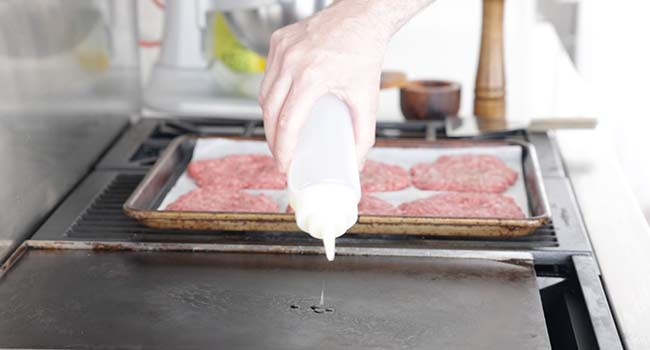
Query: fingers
x=363, y=110
x=270, y=75
x=292, y=117
x=272, y=67
x=272, y=105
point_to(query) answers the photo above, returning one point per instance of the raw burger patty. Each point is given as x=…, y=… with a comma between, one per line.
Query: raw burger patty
x=464, y=173
x=214, y=199
x=252, y=171
x=380, y=177
x=472, y=205
x=370, y=205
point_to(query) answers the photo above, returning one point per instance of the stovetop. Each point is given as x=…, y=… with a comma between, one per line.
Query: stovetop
x=574, y=302
x=125, y=164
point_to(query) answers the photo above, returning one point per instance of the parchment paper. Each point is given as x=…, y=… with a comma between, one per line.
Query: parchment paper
x=404, y=157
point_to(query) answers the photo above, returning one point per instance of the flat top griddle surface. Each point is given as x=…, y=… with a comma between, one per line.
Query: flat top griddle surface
x=174, y=300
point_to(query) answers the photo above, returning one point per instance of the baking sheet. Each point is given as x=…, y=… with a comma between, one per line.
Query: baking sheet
x=209, y=148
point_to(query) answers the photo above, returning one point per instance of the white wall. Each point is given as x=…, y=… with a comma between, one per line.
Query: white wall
x=442, y=42
x=614, y=58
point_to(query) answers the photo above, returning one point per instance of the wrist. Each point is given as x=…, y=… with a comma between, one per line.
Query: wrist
x=367, y=14
x=385, y=17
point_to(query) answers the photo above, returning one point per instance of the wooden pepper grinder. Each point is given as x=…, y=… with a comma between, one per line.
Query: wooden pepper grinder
x=490, y=88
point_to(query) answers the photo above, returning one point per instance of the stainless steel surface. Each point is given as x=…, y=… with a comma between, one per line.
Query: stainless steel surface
x=68, y=56
x=185, y=299
x=64, y=23
x=471, y=126
x=513, y=257
x=601, y=318
x=143, y=203
x=43, y=157
x=69, y=81
x=254, y=26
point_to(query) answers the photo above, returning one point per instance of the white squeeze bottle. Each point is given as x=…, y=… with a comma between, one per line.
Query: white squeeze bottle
x=323, y=178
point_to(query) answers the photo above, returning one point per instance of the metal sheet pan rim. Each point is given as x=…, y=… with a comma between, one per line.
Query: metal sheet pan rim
x=518, y=227
x=370, y=219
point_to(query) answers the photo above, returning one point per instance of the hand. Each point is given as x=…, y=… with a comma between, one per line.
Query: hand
x=339, y=50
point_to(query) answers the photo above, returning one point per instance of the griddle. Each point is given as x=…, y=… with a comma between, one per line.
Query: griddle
x=244, y=297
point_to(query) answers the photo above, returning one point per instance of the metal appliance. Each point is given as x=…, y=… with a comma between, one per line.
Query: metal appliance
x=89, y=236
x=188, y=80
x=84, y=275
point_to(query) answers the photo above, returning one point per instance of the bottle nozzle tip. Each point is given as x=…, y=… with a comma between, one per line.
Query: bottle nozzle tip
x=329, y=242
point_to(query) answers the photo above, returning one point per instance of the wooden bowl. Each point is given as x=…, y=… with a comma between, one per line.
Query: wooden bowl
x=429, y=99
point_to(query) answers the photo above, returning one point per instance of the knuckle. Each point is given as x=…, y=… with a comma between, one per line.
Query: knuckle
x=283, y=122
x=283, y=43
x=266, y=112
x=276, y=36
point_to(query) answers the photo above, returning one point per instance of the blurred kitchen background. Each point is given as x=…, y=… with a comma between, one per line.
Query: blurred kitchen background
x=563, y=58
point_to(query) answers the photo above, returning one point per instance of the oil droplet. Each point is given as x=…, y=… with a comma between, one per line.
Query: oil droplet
x=317, y=309
x=294, y=306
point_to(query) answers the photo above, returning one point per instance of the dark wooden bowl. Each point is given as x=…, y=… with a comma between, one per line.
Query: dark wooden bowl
x=429, y=99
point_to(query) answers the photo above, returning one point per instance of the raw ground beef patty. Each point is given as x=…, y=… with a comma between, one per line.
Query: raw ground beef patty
x=370, y=205
x=471, y=205
x=251, y=171
x=380, y=177
x=214, y=199
x=464, y=173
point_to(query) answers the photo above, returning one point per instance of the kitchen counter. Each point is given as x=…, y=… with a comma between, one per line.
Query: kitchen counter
x=617, y=229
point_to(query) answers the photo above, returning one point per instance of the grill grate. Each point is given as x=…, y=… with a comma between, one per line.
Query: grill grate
x=104, y=219
x=147, y=153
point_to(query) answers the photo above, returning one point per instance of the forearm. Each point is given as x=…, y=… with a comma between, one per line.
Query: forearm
x=387, y=16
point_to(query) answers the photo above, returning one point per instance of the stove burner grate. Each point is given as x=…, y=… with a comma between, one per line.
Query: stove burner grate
x=104, y=219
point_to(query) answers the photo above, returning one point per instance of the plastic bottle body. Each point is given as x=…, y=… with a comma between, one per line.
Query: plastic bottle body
x=323, y=179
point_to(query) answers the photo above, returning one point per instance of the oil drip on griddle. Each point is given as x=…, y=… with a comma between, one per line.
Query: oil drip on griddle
x=319, y=308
